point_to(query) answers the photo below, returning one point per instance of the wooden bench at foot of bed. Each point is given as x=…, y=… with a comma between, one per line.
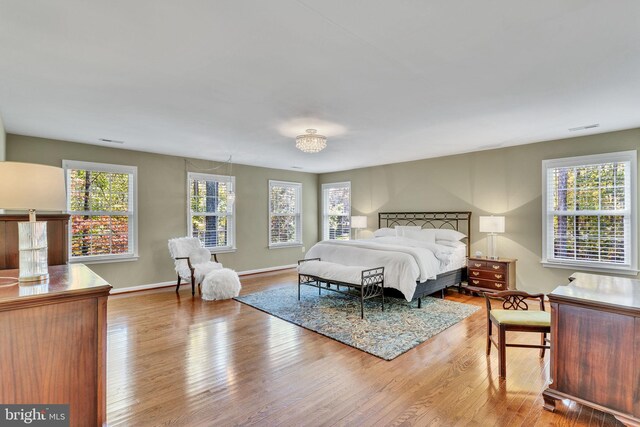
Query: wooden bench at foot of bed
x=322, y=274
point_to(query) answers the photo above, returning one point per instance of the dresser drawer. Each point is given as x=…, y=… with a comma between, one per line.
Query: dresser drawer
x=487, y=274
x=489, y=284
x=477, y=264
x=496, y=266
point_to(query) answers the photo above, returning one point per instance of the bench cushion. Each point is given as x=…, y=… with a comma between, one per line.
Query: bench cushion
x=332, y=271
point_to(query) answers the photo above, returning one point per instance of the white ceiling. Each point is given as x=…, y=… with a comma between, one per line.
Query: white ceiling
x=386, y=81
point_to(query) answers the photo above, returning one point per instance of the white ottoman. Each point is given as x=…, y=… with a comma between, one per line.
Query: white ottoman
x=222, y=283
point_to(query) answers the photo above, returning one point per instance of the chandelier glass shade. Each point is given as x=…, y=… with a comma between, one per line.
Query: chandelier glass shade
x=311, y=142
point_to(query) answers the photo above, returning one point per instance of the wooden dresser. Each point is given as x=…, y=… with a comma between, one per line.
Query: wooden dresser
x=490, y=275
x=595, y=345
x=53, y=342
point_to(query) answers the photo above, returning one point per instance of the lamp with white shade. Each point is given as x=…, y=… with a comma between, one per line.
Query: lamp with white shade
x=358, y=222
x=492, y=225
x=31, y=187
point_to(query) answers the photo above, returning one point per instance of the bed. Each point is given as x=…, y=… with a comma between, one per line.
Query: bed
x=412, y=269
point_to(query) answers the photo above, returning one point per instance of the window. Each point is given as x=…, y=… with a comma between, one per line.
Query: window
x=210, y=210
x=336, y=211
x=285, y=213
x=101, y=200
x=590, y=212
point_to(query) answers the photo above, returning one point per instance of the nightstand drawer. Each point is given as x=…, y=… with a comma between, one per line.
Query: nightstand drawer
x=477, y=264
x=489, y=284
x=486, y=274
x=496, y=266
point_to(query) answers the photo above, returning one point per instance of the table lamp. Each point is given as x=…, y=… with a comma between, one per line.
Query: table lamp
x=492, y=225
x=31, y=187
x=358, y=222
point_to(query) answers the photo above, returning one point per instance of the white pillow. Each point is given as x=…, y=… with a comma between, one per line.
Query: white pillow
x=384, y=232
x=421, y=235
x=451, y=235
x=400, y=229
x=451, y=244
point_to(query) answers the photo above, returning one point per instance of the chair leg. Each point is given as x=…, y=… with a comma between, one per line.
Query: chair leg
x=419, y=302
x=193, y=286
x=543, y=341
x=178, y=285
x=502, y=351
x=489, y=332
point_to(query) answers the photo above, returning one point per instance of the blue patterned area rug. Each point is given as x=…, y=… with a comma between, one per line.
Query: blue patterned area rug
x=387, y=334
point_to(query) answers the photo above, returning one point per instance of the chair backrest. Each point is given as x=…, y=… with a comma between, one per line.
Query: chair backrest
x=183, y=246
x=513, y=300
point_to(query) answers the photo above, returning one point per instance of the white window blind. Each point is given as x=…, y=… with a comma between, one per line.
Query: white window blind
x=285, y=213
x=590, y=212
x=211, y=211
x=101, y=202
x=336, y=211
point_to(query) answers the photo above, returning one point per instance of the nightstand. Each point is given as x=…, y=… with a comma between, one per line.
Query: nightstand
x=490, y=275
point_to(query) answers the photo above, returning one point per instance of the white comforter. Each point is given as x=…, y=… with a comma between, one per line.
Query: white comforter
x=405, y=261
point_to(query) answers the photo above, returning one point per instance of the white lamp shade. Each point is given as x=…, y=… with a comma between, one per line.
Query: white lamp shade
x=492, y=224
x=358, y=222
x=25, y=186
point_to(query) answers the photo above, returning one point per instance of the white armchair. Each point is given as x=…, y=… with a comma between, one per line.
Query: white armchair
x=192, y=261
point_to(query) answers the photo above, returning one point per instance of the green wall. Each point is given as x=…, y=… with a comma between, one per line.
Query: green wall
x=505, y=181
x=162, y=214
x=3, y=137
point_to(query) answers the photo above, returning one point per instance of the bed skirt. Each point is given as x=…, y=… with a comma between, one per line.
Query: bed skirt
x=442, y=281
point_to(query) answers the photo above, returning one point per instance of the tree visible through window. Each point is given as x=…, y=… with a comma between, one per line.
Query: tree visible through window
x=336, y=207
x=100, y=201
x=285, y=211
x=211, y=217
x=590, y=205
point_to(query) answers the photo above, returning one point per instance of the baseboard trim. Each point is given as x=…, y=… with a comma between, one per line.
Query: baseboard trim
x=143, y=287
x=266, y=270
x=160, y=285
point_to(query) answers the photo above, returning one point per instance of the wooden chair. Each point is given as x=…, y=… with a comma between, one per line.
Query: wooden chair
x=515, y=316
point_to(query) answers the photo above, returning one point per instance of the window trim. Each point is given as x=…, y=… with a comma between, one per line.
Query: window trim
x=325, y=214
x=132, y=255
x=631, y=268
x=225, y=178
x=300, y=241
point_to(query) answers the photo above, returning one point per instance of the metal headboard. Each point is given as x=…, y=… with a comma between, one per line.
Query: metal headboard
x=460, y=221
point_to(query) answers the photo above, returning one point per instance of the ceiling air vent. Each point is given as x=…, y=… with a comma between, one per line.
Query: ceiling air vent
x=595, y=125
x=111, y=141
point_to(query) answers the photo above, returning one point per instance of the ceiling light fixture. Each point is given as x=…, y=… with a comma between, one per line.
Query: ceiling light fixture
x=311, y=142
x=231, y=193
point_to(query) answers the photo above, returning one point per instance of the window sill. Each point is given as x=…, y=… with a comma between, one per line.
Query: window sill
x=628, y=271
x=286, y=245
x=102, y=259
x=222, y=250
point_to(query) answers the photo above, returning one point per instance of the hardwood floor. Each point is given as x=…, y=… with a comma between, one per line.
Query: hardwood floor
x=174, y=360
